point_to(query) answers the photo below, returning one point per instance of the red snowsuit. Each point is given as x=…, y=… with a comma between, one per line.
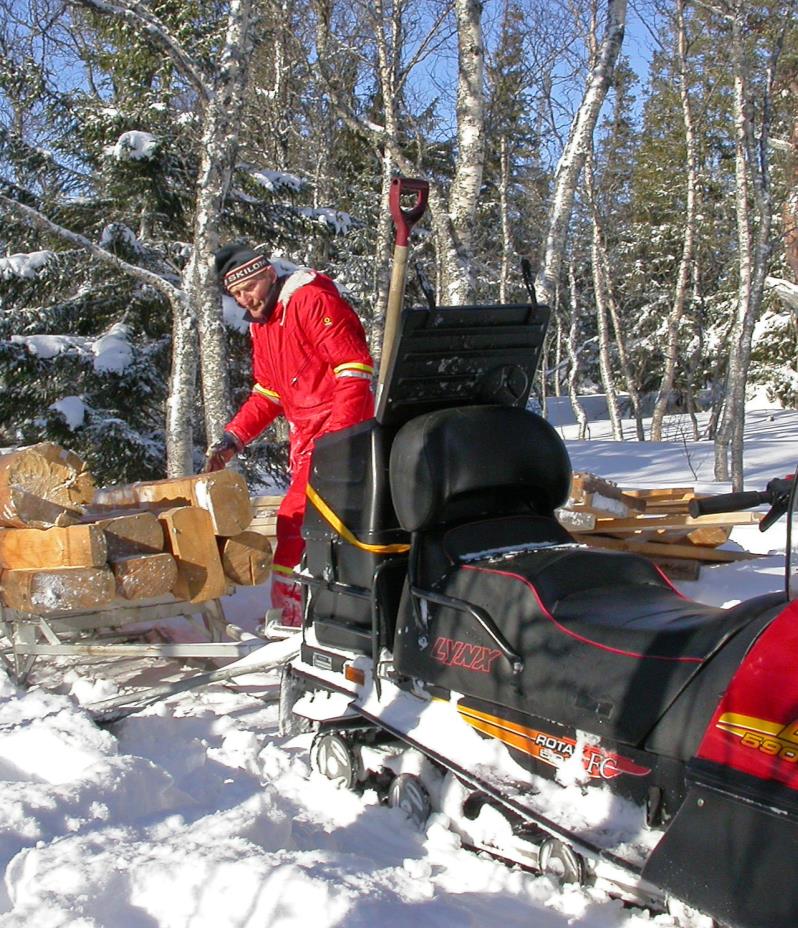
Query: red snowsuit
x=311, y=363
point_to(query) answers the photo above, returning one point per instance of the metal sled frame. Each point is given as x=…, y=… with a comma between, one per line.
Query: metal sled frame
x=97, y=633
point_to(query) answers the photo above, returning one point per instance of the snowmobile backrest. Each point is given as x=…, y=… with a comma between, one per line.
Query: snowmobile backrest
x=457, y=465
x=454, y=356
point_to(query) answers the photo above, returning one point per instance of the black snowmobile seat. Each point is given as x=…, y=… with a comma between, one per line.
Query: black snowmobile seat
x=607, y=642
x=616, y=602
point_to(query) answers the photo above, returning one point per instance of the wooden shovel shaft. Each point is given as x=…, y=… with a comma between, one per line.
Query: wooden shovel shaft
x=404, y=220
x=394, y=308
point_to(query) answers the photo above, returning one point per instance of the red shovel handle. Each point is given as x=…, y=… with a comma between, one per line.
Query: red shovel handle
x=405, y=219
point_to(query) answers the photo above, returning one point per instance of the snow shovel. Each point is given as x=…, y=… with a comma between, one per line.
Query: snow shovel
x=404, y=220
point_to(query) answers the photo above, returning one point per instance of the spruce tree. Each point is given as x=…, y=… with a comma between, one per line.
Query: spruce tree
x=108, y=148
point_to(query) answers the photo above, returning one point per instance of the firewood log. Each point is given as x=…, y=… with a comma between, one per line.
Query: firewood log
x=145, y=575
x=56, y=590
x=43, y=485
x=70, y=546
x=128, y=535
x=223, y=494
x=246, y=558
x=191, y=540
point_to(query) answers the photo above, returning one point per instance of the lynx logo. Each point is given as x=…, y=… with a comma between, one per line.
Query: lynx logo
x=460, y=654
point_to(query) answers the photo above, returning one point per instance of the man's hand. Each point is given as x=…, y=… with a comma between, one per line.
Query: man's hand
x=219, y=454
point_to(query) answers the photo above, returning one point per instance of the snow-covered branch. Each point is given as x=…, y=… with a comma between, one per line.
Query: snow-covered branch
x=787, y=291
x=40, y=221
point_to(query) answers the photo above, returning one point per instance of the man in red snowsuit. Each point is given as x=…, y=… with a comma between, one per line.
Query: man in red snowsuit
x=311, y=363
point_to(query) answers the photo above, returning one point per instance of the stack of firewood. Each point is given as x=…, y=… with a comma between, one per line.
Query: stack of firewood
x=66, y=545
x=654, y=522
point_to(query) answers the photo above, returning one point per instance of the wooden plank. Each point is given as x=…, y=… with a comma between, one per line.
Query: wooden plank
x=223, y=494
x=596, y=494
x=658, y=549
x=246, y=558
x=128, y=535
x=678, y=520
x=145, y=575
x=266, y=527
x=37, y=548
x=269, y=503
x=669, y=507
x=601, y=506
x=57, y=589
x=661, y=493
x=711, y=535
x=574, y=521
x=191, y=540
x=43, y=485
x=264, y=515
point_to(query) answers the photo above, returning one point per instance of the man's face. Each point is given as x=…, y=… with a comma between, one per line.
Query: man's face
x=251, y=293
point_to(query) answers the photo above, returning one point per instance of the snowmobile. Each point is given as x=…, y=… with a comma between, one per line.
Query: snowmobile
x=459, y=642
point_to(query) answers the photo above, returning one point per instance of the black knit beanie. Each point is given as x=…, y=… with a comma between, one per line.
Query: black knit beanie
x=235, y=263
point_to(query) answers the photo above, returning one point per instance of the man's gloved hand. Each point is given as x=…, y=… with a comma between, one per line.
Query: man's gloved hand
x=220, y=453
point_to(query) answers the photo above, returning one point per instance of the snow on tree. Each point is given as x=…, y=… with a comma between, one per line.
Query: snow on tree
x=130, y=162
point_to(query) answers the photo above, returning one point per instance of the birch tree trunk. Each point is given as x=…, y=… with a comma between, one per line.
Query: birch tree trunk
x=607, y=311
x=600, y=291
x=382, y=251
x=573, y=354
x=752, y=177
x=558, y=361
x=221, y=120
x=576, y=149
x=464, y=193
x=688, y=246
x=791, y=202
x=389, y=46
x=620, y=339
x=182, y=399
x=504, y=213
x=623, y=355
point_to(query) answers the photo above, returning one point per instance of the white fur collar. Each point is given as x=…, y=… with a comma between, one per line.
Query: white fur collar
x=300, y=277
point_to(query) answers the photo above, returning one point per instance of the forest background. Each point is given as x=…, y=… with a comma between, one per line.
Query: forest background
x=652, y=186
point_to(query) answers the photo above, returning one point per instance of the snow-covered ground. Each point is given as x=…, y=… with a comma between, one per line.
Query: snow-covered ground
x=195, y=813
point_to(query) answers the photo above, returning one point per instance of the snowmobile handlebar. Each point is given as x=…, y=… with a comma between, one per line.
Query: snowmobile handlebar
x=726, y=502
x=776, y=495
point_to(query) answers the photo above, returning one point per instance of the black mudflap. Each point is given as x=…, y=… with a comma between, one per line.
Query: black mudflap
x=731, y=859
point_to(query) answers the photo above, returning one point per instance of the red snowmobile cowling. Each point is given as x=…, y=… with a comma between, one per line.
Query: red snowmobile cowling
x=755, y=727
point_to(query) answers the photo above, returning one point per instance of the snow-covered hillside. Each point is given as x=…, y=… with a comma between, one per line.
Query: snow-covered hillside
x=195, y=813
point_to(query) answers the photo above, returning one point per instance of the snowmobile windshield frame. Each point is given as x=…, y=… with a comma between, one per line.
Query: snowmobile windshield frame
x=461, y=356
